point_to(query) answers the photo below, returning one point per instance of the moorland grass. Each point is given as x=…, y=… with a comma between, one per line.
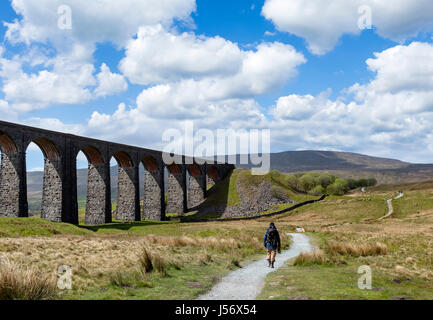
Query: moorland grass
x=108, y=262
x=398, y=250
x=191, y=257
x=18, y=282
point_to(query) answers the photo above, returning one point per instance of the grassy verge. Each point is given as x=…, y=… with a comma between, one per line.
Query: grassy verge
x=398, y=249
x=340, y=283
x=188, y=258
x=224, y=192
x=107, y=261
x=27, y=227
x=278, y=181
x=324, y=276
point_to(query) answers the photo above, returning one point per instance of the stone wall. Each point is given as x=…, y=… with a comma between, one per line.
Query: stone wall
x=176, y=191
x=153, y=199
x=10, y=186
x=127, y=197
x=196, y=190
x=52, y=193
x=97, y=185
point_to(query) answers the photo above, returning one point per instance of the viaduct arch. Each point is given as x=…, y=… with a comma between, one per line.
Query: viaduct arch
x=59, y=195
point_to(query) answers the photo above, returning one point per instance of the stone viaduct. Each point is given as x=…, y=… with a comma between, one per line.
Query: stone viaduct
x=59, y=195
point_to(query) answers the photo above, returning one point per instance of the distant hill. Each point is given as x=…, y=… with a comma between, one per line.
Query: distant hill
x=330, y=160
x=350, y=165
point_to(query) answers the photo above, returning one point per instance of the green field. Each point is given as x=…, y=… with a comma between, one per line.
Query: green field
x=106, y=259
x=404, y=272
x=188, y=258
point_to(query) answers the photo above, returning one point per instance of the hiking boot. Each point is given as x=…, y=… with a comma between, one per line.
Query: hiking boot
x=269, y=263
x=272, y=264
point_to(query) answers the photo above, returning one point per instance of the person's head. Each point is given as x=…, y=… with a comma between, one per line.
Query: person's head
x=272, y=225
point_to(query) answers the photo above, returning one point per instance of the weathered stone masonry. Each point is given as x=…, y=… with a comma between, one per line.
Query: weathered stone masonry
x=154, y=198
x=128, y=202
x=52, y=194
x=13, y=201
x=98, y=184
x=176, y=190
x=197, y=185
x=59, y=199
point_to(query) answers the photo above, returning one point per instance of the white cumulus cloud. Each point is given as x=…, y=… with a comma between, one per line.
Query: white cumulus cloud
x=389, y=116
x=64, y=79
x=157, y=55
x=322, y=23
x=92, y=21
x=109, y=83
x=160, y=56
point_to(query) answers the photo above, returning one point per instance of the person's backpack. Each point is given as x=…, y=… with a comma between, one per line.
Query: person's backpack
x=271, y=236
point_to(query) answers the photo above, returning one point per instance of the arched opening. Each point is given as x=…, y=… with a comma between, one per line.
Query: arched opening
x=128, y=196
x=114, y=172
x=150, y=163
x=196, y=185
x=141, y=174
x=194, y=170
x=212, y=176
x=6, y=144
x=35, y=178
x=213, y=173
x=123, y=159
x=52, y=195
x=93, y=196
x=176, y=189
x=153, y=190
x=174, y=168
x=48, y=149
x=12, y=177
x=82, y=173
x=166, y=173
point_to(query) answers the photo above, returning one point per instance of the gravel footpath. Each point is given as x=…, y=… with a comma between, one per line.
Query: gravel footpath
x=390, y=209
x=247, y=282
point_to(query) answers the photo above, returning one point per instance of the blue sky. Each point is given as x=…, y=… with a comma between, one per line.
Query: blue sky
x=127, y=70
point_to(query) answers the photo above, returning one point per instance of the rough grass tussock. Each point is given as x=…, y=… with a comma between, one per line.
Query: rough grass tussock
x=150, y=261
x=184, y=241
x=18, y=283
x=145, y=261
x=311, y=258
x=356, y=250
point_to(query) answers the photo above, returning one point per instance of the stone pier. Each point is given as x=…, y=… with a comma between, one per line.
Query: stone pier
x=98, y=206
x=154, y=196
x=128, y=202
x=176, y=189
x=13, y=199
x=197, y=185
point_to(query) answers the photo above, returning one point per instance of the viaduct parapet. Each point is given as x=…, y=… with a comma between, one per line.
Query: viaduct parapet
x=59, y=195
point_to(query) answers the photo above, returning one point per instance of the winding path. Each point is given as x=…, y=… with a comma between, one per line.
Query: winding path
x=247, y=282
x=390, y=208
x=390, y=212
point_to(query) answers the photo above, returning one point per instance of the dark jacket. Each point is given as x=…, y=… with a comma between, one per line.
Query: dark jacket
x=274, y=245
